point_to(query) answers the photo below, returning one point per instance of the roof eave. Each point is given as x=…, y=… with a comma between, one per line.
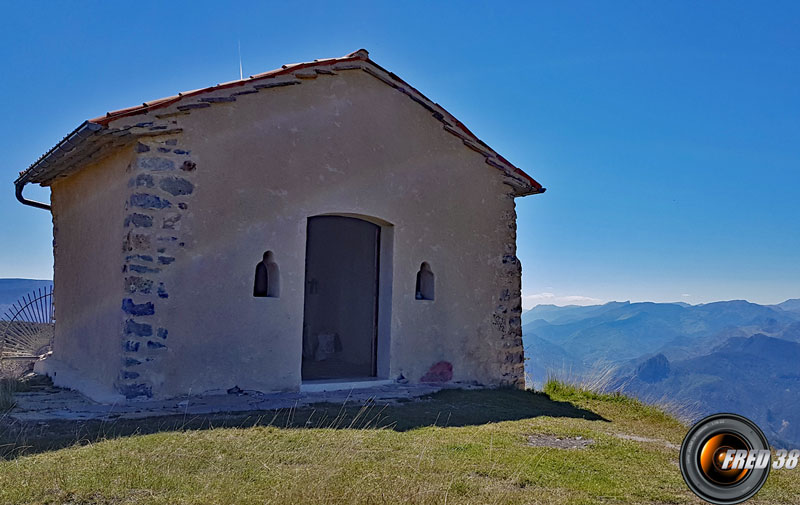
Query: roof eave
x=522, y=183
x=72, y=141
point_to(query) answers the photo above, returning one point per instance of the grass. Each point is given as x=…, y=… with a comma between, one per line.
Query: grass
x=7, y=390
x=454, y=447
x=9, y=386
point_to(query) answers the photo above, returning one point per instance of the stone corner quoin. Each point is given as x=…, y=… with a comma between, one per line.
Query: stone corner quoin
x=161, y=185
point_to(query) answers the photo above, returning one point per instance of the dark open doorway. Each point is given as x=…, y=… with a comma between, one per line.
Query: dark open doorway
x=341, y=298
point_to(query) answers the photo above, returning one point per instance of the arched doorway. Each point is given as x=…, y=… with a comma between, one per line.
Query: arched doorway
x=340, y=315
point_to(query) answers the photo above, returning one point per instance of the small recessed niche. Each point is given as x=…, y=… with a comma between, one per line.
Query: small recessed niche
x=268, y=282
x=425, y=282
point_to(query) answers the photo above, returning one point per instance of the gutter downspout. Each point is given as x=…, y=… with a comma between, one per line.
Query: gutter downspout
x=20, y=185
x=67, y=144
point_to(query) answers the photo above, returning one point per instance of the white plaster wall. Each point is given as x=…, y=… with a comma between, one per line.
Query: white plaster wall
x=89, y=210
x=346, y=144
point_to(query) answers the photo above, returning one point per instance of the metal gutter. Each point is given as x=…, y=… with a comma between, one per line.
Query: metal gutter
x=39, y=168
x=70, y=152
x=20, y=185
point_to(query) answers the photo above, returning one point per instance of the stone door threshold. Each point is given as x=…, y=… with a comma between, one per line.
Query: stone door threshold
x=319, y=386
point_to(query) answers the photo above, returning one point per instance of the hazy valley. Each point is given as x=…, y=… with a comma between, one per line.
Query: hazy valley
x=732, y=356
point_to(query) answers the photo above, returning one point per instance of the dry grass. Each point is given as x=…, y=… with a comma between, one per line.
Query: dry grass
x=604, y=379
x=9, y=386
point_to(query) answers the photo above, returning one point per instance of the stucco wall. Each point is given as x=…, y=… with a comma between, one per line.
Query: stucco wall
x=88, y=212
x=347, y=144
x=197, y=200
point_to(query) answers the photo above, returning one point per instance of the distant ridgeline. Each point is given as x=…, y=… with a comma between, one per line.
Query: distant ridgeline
x=730, y=356
x=12, y=290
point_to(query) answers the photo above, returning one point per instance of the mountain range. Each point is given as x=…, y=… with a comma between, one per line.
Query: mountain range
x=11, y=290
x=732, y=356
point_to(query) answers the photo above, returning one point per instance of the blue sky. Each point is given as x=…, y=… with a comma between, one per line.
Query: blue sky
x=667, y=133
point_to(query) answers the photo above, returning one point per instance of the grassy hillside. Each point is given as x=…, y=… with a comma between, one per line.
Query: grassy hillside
x=454, y=447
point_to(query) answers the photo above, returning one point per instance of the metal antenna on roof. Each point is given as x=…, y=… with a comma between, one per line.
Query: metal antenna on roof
x=240, y=60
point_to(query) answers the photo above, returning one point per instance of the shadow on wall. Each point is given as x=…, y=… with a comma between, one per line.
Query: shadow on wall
x=447, y=408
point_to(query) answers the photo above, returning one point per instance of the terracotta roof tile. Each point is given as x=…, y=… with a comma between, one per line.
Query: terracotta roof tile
x=356, y=60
